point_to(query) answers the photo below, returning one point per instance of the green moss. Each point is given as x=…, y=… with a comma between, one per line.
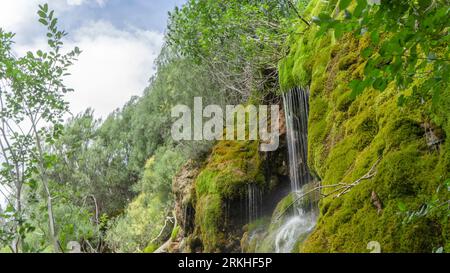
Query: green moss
x=283, y=208
x=209, y=220
x=231, y=167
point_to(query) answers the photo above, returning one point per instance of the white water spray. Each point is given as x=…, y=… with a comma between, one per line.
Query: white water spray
x=293, y=229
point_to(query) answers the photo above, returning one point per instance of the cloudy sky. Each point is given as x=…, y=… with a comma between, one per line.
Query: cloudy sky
x=120, y=40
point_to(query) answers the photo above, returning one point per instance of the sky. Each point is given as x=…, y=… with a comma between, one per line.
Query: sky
x=120, y=40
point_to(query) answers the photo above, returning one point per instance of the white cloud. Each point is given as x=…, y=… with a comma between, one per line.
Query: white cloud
x=115, y=64
x=16, y=15
x=20, y=16
x=81, y=2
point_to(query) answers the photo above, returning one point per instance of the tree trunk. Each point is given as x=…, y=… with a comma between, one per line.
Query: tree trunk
x=51, y=219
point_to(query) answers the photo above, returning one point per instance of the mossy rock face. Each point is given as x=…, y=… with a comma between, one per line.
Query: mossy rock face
x=232, y=166
x=183, y=191
x=347, y=136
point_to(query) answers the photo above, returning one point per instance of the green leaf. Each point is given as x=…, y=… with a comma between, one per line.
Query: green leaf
x=359, y=8
x=343, y=4
x=9, y=209
x=439, y=250
x=375, y=37
x=380, y=84
x=42, y=14
x=367, y=52
x=357, y=87
x=53, y=23
x=339, y=31
x=43, y=21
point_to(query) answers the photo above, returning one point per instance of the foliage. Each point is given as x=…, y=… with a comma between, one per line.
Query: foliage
x=239, y=41
x=409, y=42
x=32, y=106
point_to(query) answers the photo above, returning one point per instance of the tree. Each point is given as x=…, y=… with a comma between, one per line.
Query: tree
x=240, y=42
x=32, y=107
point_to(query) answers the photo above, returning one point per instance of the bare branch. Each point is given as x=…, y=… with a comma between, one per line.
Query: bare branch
x=341, y=188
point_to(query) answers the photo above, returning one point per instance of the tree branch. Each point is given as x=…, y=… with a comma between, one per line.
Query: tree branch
x=341, y=188
x=298, y=13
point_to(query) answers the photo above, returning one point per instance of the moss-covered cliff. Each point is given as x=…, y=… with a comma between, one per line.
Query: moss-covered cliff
x=347, y=136
x=220, y=193
x=396, y=156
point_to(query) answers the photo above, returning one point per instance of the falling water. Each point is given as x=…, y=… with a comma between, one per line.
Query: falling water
x=296, y=108
x=295, y=227
x=301, y=223
x=254, y=202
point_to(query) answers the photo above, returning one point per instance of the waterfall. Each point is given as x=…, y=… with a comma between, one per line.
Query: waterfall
x=295, y=227
x=254, y=202
x=296, y=109
x=248, y=208
x=301, y=223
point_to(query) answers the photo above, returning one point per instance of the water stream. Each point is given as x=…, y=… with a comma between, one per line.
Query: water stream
x=302, y=221
x=293, y=230
x=296, y=108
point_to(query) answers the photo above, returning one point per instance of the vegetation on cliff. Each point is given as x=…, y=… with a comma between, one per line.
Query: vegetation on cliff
x=353, y=126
